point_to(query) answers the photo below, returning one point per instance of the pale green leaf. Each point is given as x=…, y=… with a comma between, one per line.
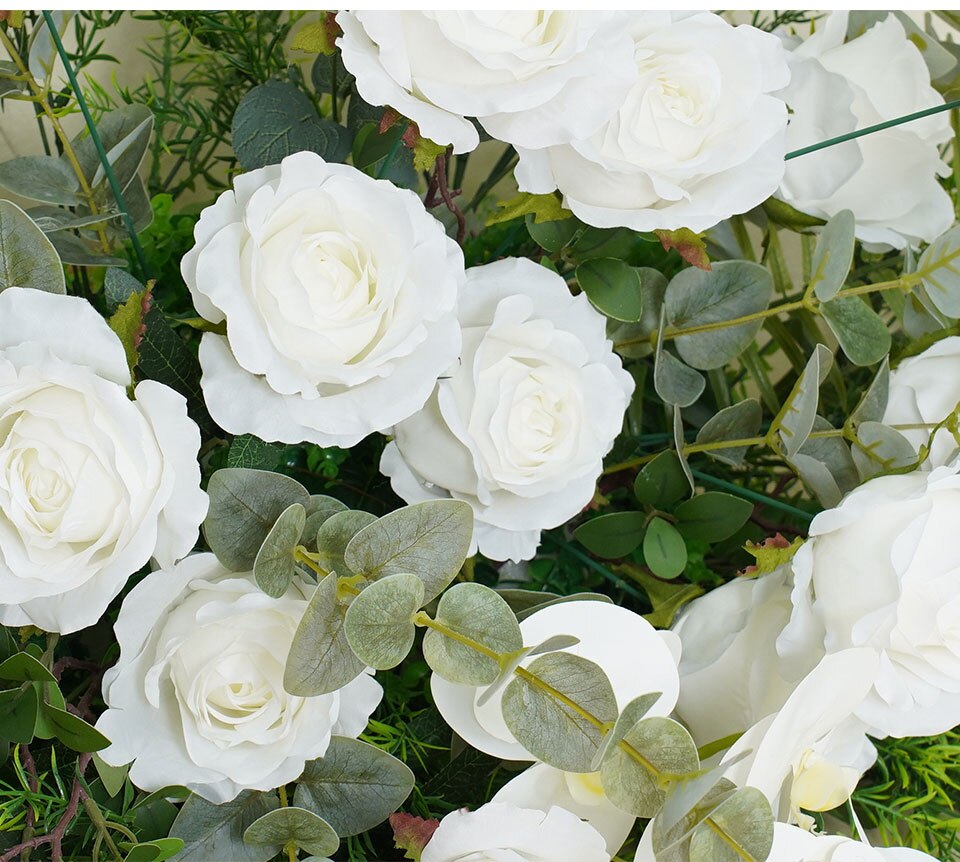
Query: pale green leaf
x=335, y=533
x=795, y=420
x=664, y=550
x=737, y=422
x=379, y=622
x=275, y=564
x=739, y=829
x=862, y=334
x=939, y=271
x=292, y=825
x=832, y=256
x=675, y=382
x=27, y=257
x=211, y=831
x=629, y=716
x=41, y=178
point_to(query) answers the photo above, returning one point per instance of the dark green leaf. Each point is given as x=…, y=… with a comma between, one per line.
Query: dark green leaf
x=664, y=550
x=41, y=178
x=712, y=516
x=662, y=482
x=613, y=287
x=613, y=535
x=73, y=731
x=251, y=452
x=214, y=832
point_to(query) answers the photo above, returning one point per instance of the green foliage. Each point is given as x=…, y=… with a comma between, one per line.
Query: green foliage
x=211, y=831
x=27, y=257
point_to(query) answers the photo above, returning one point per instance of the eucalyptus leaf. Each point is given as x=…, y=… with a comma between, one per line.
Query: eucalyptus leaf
x=873, y=404
x=553, y=235
x=42, y=55
x=114, y=127
x=549, y=729
x=679, y=442
x=629, y=716
x=294, y=825
x=737, y=422
x=729, y=290
x=41, y=178
x=319, y=510
x=244, y=506
x=862, y=334
x=112, y=777
x=573, y=597
x=354, y=786
x=126, y=155
x=51, y=219
x=612, y=286
x=671, y=843
x=275, y=564
x=662, y=482
x=634, y=783
x=881, y=449
x=429, y=539
x=335, y=533
x=320, y=660
x=211, y=831
x=818, y=478
x=795, y=420
x=27, y=256
x=739, y=829
x=632, y=340
x=664, y=550
x=78, y=252
x=939, y=272
x=712, y=516
x=675, y=382
x=834, y=453
x=613, y=535
x=479, y=613
x=379, y=622
x=832, y=256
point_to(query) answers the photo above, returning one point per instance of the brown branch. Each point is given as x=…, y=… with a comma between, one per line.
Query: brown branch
x=447, y=196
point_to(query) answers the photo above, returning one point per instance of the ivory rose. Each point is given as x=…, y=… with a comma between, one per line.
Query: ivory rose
x=520, y=428
x=531, y=78
x=197, y=696
x=92, y=483
x=698, y=138
x=338, y=292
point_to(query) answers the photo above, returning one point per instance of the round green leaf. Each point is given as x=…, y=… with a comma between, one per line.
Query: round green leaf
x=743, y=823
x=832, y=256
x=293, y=825
x=547, y=727
x=27, y=256
x=635, y=784
x=613, y=287
x=862, y=334
x=553, y=235
x=320, y=508
x=736, y=422
x=613, y=535
x=334, y=534
x=712, y=516
x=664, y=550
x=478, y=612
x=275, y=564
x=216, y=831
x=662, y=482
x=41, y=178
x=379, y=622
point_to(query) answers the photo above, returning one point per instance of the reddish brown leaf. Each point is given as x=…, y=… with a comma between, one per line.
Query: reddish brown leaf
x=689, y=245
x=411, y=833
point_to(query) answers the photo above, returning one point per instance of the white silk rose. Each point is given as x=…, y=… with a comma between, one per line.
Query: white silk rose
x=531, y=78
x=506, y=833
x=93, y=483
x=888, y=179
x=520, y=429
x=882, y=570
x=698, y=138
x=925, y=390
x=197, y=697
x=339, y=296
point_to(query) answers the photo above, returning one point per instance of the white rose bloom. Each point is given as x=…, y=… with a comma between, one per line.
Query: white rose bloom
x=730, y=678
x=520, y=429
x=636, y=658
x=793, y=844
x=543, y=787
x=339, y=295
x=92, y=483
x=888, y=179
x=500, y=832
x=925, y=389
x=882, y=570
x=698, y=138
x=812, y=753
x=197, y=696
x=531, y=78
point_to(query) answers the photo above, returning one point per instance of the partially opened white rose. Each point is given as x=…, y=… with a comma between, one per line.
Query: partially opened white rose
x=197, y=697
x=636, y=658
x=339, y=295
x=925, y=389
x=730, y=677
x=882, y=570
x=531, y=78
x=92, y=483
x=699, y=137
x=888, y=179
x=501, y=832
x=520, y=429
x=811, y=754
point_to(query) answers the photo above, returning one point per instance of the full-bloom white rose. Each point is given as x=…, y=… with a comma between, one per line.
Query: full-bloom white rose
x=520, y=429
x=882, y=570
x=699, y=137
x=531, y=78
x=810, y=755
x=925, y=389
x=339, y=294
x=730, y=677
x=197, y=696
x=636, y=658
x=92, y=483
x=506, y=833
x=888, y=179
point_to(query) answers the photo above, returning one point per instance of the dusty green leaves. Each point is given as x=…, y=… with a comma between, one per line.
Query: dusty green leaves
x=379, y=622
x=939, y=272
x=832, y=256
x=292, y=825
x=862, y=334
x=275, y=564
x=27, y=257
x=739, y=421
x=675, y=382
x=795, y=420
x=211, y=831
x=740, y=827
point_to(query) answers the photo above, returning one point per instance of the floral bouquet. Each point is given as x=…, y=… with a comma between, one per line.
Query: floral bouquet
x=459, y=436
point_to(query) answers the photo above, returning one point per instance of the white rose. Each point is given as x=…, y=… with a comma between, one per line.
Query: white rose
x=520, y=429
x=882, y=570
x=339, y=295
x=636, y=658
x=92, y=483
x=501, y=832
x=531, y=78
x=925, y=389
x=698, y=138
x=888, y=179
x=197, y=696
x=730, y=678
x=810, y=755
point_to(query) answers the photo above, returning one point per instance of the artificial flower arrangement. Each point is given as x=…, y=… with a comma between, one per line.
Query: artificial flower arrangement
x=354, y=516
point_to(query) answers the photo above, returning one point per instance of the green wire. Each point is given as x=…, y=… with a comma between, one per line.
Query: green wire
x=568, y=548
x=755, y=496
x=98, y=144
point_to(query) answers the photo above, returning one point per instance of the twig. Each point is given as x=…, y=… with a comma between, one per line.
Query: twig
x=441, y=175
